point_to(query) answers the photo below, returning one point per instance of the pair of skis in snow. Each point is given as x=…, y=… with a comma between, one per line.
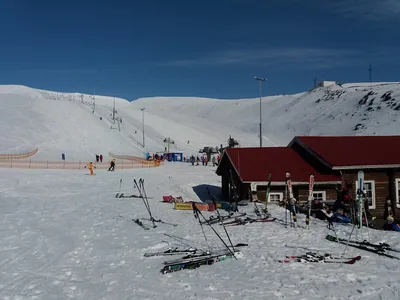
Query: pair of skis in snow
x=311, y=257
x=247, y=220
x=190, y=252
x=215, y=220
x=193, y=263
x=122, y=195
x=380, y=249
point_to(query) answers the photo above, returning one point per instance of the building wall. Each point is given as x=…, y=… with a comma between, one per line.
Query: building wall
x=300, y=192
x=326, y=83
x=330, y=192
x=383, y=184
x=229, y=190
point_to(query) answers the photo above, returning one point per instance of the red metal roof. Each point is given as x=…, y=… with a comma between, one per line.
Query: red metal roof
x=254, y=164
x=340, y=151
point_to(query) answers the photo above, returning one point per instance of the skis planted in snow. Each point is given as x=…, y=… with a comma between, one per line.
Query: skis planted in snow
x=310, y=198
x=290, y=199
x=360, y=194
x=265, y=209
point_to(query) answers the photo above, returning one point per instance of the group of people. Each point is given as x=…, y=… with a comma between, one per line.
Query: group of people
x=204, y=160
x=341, y=211
x=90, y=166
x=99, y=158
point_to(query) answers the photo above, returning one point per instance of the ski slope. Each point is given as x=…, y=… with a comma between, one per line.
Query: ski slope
x=64, y=235
x=65, y=122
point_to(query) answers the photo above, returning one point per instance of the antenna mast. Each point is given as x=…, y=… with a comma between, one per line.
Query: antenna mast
x=370, y=73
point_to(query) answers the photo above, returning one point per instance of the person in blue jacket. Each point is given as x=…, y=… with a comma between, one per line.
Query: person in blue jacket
x=340, y=217
x=390, y=224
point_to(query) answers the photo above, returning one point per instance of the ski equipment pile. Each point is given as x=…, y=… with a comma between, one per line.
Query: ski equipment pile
x=193, y=260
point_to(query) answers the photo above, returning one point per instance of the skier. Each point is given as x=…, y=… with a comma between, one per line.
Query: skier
x=213, y=161
x=112, y=165
x=101, y=157
x=390, y=225
x=90, y=167
x=97, y=158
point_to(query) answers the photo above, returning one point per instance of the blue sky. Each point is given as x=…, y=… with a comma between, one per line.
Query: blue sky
x=208, y=48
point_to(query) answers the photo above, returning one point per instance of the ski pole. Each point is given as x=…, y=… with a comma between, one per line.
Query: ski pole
x=222, y=222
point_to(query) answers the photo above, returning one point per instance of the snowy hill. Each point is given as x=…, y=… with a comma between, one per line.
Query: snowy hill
x=65, y=235
x=65, y=123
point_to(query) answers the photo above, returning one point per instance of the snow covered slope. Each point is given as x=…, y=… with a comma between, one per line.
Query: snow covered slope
x=352, y=109
x=65, y=123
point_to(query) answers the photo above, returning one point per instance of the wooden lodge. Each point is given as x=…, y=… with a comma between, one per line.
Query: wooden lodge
x=327, y=158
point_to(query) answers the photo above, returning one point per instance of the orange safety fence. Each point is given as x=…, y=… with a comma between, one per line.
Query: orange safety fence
x=8, y=156
x=74, y=165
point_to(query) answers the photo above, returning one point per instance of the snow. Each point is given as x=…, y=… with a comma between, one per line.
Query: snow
x=65, y=123
x=65, y=235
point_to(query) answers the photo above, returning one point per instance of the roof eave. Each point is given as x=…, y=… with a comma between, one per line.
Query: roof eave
x=361, y=167
x=233, y=165
x=279, y=183
x=219, y=164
